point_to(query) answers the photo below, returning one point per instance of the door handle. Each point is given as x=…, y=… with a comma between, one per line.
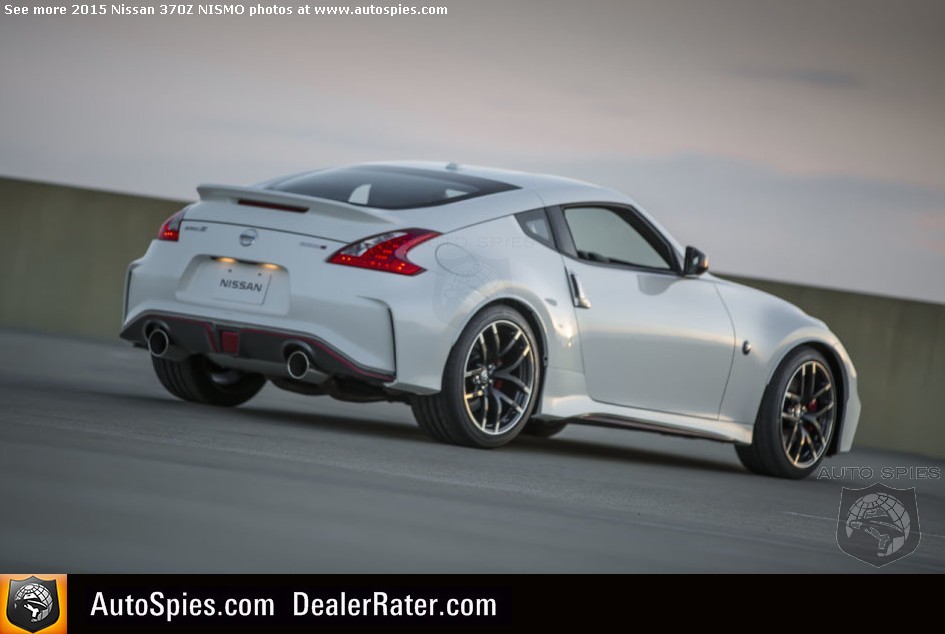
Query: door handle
x=577, y=292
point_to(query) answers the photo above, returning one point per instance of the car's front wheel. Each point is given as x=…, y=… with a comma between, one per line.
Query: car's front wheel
x=199, y=380
x=490, y=383
x=796, y=420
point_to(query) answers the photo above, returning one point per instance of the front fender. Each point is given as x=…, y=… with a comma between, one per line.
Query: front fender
x=773, y=327
x=770, y=327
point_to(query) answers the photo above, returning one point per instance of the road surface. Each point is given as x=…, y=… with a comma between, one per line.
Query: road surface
x=102, y=471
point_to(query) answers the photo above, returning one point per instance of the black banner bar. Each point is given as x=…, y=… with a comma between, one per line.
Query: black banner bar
x=125, y=603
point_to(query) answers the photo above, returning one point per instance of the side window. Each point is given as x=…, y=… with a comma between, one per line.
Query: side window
x=535, y=224
x=608, y=235
x=360, y=194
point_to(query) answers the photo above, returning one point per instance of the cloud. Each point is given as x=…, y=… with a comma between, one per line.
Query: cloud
x=931, y=226
x=816, y=77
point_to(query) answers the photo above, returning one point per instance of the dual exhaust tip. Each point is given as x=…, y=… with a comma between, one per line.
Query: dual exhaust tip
x=301, y=366
x=298, y=364
x=161, y=346
x=158, y=342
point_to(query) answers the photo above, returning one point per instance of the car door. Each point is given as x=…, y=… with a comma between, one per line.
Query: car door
x=651, y=338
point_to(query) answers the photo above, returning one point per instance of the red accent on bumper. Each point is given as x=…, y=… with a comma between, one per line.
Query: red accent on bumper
x=230, y=342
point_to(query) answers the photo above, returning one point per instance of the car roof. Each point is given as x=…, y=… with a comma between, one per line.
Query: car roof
x=522, y=180
x=529, y=191
x=553, y=190
x=549, y=189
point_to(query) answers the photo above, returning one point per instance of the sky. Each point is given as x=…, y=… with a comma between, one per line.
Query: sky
x=800, y=141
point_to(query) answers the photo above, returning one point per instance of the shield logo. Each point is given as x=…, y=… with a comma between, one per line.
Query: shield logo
x=462, y=274
x=33, y=603
x=878, y=524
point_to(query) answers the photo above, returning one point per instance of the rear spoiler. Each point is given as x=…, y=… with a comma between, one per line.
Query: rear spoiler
x=284, y=201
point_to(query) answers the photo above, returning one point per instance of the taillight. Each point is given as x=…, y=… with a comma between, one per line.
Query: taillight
x=170, y=230
x=385, y=252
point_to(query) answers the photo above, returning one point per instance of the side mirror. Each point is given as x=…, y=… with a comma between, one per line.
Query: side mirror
x=696, y=262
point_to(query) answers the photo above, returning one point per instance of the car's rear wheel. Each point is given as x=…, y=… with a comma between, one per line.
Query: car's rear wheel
x=796, y=420
x=543, y=428
x=490, y=383
x=199, y=380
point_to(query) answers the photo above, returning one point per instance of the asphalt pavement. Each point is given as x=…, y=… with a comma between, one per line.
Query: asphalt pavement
x=102, y=471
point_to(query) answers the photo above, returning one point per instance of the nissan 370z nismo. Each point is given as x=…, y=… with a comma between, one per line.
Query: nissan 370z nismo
x=492, y=302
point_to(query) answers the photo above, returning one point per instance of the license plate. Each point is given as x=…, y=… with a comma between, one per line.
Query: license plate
x=242, y=283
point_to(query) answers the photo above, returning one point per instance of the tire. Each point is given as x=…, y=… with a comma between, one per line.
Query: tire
x=496, y=362
x=543, y=428
x=197, y=380
x=797, y=418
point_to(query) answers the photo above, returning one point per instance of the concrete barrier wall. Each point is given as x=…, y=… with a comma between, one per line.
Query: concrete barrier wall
x=898, y=348
x=62, y=271
x=63, y=259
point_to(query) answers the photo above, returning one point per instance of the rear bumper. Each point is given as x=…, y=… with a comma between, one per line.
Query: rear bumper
x=347, y=332
x=378, y=327
x=248, y=342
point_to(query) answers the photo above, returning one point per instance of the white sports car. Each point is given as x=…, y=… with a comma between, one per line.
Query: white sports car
x=492, y=302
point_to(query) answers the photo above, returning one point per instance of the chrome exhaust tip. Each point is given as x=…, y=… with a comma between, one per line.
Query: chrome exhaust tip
x=298, y=365
x=158, y=343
